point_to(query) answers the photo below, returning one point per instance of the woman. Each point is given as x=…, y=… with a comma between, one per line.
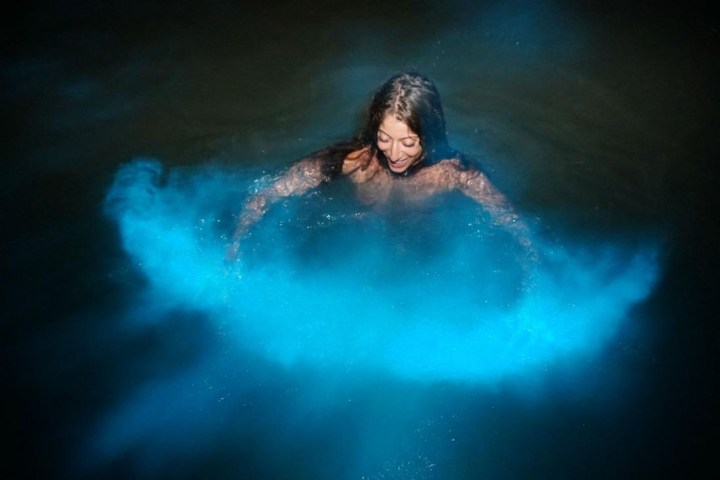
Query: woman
x=402, y=154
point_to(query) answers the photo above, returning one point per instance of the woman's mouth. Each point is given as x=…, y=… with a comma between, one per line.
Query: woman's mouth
x=397, y=163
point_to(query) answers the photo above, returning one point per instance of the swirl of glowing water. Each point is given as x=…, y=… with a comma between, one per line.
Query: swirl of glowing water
x=385, y=293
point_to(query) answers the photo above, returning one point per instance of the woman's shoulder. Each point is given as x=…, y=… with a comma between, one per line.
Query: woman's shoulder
x=452, y=163
x=458, y=162
x=457, y=170
x=358, y=154
x=356, y=159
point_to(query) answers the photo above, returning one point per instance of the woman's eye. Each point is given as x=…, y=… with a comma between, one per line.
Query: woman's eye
x=409, y=145
x=383, y=140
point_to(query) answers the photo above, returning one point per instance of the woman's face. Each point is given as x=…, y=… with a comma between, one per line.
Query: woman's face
x=400, y=145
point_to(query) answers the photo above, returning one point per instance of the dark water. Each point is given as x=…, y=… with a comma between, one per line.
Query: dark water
x=597, y=120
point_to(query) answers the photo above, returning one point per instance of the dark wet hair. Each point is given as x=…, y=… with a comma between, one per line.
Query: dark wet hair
x=413, y=99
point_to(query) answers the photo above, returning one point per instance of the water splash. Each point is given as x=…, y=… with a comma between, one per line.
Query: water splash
x=328, y=298
x=426, y=296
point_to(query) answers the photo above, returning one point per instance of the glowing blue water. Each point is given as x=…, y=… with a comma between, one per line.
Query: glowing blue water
x=428, y=296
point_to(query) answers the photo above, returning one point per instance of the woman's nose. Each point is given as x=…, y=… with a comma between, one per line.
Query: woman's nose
x=395, y=151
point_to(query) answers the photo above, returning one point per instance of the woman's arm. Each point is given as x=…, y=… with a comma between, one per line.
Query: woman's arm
x=297, y=180
x=477, y=186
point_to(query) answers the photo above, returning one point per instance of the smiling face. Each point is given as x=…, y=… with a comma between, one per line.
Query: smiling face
x=400, y=145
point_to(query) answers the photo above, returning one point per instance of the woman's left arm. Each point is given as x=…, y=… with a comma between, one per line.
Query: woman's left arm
x=473, y=183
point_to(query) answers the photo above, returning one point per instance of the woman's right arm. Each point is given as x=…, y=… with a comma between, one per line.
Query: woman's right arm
x=297, y=180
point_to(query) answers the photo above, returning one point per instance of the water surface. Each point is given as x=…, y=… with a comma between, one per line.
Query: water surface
x=597, y=121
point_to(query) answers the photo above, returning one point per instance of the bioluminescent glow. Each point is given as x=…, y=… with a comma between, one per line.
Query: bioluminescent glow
x=429, y=293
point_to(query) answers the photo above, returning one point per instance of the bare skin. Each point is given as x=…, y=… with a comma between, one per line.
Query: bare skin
x=375, y=185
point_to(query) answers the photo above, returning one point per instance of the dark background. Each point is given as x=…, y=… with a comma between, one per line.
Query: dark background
x=601, y=119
